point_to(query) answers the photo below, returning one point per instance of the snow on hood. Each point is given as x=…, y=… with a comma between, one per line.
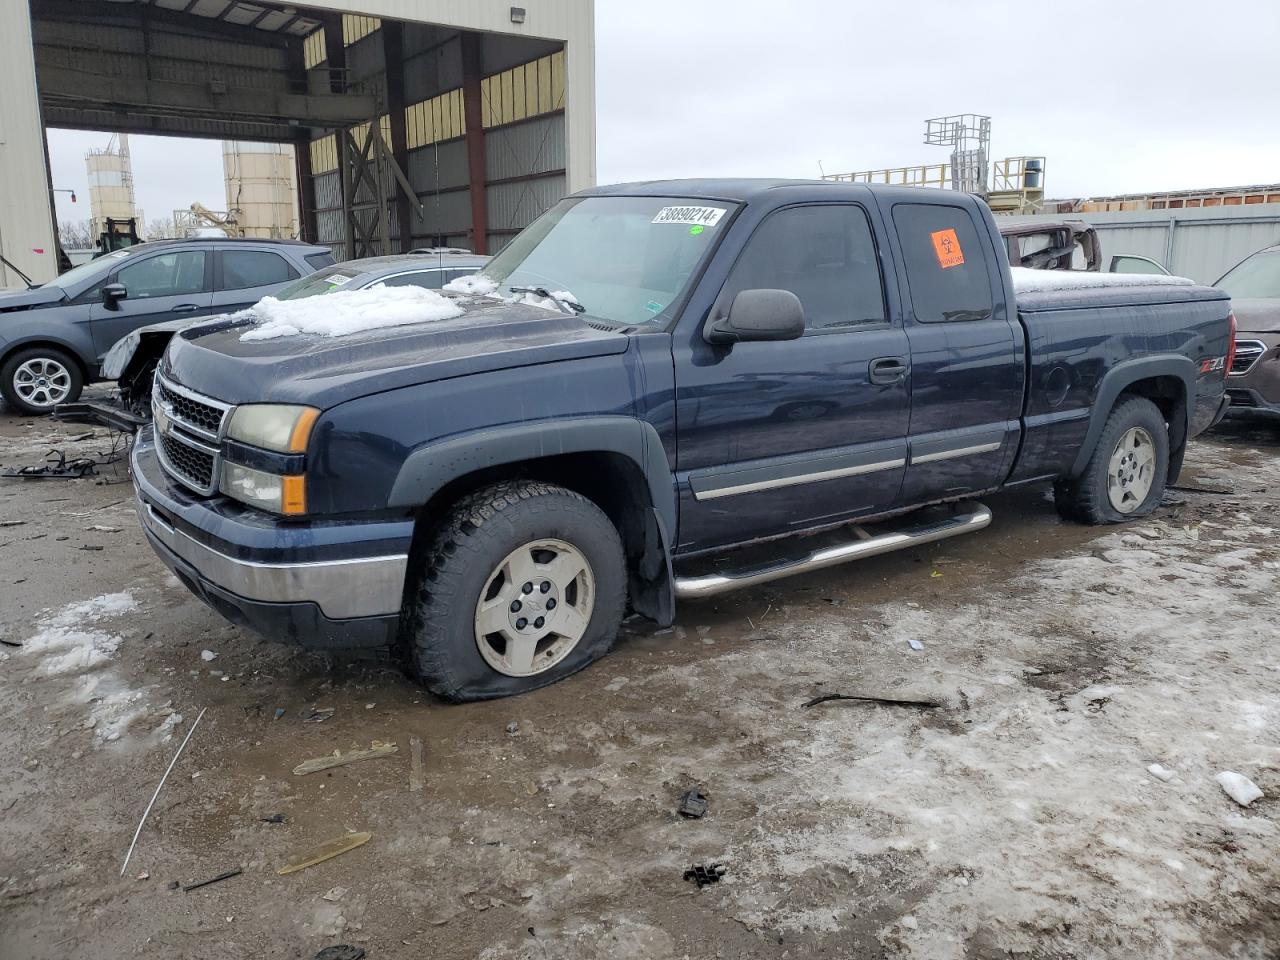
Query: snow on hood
x=1026, y=280
x=473, y=284
x=346, y=312
x=478, y=285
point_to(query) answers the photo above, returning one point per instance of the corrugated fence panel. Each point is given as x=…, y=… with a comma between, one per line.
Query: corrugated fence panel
x=328, y=191
x=450, y=157
x=534, y=146
x=445, y=213
x=513, y=206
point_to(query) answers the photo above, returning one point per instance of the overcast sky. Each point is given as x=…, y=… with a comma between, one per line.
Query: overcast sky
x=1120, y=95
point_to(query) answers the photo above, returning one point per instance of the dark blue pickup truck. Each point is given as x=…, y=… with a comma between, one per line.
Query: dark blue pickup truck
x=646, y=379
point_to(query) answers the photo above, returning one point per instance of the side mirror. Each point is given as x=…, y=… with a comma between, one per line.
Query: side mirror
x=758, y=315
x=112, y=293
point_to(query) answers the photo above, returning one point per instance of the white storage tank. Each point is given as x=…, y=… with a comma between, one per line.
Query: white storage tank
x=260, y=188
x=110, y=184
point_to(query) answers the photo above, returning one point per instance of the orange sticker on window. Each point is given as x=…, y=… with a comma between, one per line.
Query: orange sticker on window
x=947, y=246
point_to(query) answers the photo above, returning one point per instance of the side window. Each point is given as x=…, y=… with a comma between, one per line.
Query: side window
x=946, y=263
x=319, y=261
x=166, y=275
x=825, y=255
x=254, y=268
x=463, y=272
x=430, y=279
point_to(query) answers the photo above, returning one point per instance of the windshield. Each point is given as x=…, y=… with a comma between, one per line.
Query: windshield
x=627, y=260
x=326, y=281
x=93, y=270
x=1257, y=278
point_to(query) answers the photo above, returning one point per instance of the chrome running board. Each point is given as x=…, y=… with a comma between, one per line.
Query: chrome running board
x=968, y=518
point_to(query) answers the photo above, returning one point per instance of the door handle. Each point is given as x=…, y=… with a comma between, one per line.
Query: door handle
x=186, y=308
x=886, y=370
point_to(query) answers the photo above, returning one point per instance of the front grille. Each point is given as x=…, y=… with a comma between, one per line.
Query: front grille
x=190, y=411
x=1248, y=353
x=188, y=464
x=189, y=428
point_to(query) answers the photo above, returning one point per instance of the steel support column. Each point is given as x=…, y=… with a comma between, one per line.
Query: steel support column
x=335, y=52
x=473, y=118
x=393, y=57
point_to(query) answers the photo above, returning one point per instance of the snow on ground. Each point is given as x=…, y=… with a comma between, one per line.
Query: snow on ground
x=1026, y=280
x=346, y=312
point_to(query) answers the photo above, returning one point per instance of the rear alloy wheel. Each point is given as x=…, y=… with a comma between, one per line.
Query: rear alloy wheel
x=523, y=584
x=38, y=379
x=1127, y=471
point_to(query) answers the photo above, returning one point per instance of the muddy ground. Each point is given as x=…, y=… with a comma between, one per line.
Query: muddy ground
x=1016, y=819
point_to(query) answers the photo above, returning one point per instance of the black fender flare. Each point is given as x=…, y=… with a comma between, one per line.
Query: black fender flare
x=1124, y=375
x=430, y=467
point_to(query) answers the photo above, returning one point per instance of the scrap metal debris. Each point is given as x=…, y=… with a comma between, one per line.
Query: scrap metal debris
x=124, y=866
x=704, y=875
x=326, y=851
x=227, y=875
x=341, y=951
x=692, y=805
x=887, y=701
x=337, y=759
x=275, y=818
x=56, y=467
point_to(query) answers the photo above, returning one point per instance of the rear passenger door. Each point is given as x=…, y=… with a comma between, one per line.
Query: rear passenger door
x=780, y=436
x=967, y=353
x=243, y=277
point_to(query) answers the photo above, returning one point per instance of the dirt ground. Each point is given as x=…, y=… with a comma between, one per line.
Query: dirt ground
x=1016, y=819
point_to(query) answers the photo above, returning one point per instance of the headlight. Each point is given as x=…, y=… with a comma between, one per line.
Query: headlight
x=266, y=491
x=273, y=426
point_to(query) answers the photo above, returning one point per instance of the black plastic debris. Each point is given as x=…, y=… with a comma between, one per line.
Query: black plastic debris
x=887, y=701
x=692, y=805
x=274, y=818
x=704, y=875
x=218, y=879
x=56, y=467
x=341, y=951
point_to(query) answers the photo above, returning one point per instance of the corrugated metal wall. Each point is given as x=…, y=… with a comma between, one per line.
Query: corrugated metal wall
x=1201, y=244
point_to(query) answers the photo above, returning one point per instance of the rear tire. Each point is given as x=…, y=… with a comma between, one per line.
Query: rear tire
x=35, y=380
x=1126, y=475
x=522, y=585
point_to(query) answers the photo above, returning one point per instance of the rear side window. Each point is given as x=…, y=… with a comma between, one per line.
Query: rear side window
x=825, y=255
x=430, y=279
x=946, y=263
x=319, y=261
x=254, y=268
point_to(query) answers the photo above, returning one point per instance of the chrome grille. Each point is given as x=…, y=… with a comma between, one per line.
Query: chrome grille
x=189, y=428
x=1248, y=353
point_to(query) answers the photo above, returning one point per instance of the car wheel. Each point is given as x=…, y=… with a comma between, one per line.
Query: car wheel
x=1127, y=472
x=35, y=380
x=524, y=584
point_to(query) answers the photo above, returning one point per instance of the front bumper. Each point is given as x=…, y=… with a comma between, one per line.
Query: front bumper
x=1255, y=390
x=315, y=583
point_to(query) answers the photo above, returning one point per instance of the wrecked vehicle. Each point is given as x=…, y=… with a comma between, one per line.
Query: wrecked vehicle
x=53, y=338
x=647, y=378
x=1254, y=287
x=1043, y=243
x=132, y=360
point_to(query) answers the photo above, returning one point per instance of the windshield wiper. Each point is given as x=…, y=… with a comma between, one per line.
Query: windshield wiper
x=571, y=306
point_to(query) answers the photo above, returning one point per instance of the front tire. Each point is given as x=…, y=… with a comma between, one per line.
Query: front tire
x=523, y=584
x=1126, y=475
x=35, y=380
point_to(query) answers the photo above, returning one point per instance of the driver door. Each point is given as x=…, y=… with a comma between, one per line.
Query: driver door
x=167, y=285
x=780, y=436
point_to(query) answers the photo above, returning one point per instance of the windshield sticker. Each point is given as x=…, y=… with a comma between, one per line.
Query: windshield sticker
x=947, y=247
x=653, y=306
x=705, y=216
x=696, y=229
x=338, y=279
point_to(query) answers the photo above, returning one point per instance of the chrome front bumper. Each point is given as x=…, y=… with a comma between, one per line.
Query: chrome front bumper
x=343, y=589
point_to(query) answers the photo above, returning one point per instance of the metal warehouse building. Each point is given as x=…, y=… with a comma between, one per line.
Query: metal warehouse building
x=415, y=122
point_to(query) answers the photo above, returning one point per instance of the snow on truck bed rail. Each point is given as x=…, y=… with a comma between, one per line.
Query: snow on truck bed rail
x=346, y=312
x=1026, y=280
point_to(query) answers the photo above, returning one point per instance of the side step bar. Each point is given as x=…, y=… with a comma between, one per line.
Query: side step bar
x=968, y=518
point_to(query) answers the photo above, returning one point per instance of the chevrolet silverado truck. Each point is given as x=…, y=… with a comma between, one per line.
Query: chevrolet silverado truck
x=659, y=392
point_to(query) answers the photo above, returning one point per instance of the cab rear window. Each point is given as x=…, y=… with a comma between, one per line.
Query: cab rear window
x=946, y=263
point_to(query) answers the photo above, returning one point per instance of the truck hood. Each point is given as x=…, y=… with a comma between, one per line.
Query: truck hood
x=1257, y=316
x=325, y=371
x=35, y=297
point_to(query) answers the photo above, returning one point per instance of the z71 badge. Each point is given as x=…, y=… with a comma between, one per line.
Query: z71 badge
x=1212, y=364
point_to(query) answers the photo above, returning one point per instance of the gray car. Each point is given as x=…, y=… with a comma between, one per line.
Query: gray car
x=54, y=337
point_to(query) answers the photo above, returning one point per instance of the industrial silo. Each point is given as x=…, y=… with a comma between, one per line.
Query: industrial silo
x=260, y=188
x=110, y=184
